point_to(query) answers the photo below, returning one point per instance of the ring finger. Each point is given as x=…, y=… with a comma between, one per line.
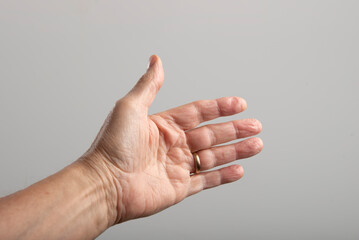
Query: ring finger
x=213, y=134
x=216, y=156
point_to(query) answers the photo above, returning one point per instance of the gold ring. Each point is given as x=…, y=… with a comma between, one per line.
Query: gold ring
x=197, y=162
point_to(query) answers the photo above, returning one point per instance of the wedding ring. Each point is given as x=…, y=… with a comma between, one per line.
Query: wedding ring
x=197, y=162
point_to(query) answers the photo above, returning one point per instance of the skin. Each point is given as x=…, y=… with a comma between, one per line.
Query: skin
x=138, y=165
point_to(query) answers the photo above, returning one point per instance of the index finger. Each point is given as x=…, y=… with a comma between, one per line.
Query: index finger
x=190, y=115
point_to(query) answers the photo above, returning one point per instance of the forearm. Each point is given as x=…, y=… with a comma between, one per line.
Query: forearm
x=71, y=204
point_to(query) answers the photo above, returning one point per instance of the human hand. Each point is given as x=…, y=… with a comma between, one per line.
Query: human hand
x=147, y=159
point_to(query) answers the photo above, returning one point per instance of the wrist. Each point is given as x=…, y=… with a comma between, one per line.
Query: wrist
x=104, y=188
x=78, y=202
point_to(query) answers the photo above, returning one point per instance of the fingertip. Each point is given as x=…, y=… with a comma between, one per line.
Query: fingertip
x=153, y=60
x=239, y=171
x=257, y=144
x=235, y=173
x=244, y=104
x=260, y=126
x=260, y=143
x=256, y=125
x=240, y=104
x=155, y=69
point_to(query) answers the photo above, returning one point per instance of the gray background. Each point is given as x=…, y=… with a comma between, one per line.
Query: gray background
x=65, y=62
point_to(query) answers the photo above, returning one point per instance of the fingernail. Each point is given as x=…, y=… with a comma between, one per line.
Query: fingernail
x=151, y=61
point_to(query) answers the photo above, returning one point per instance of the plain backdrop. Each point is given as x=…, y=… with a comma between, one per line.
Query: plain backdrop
x=64, y=63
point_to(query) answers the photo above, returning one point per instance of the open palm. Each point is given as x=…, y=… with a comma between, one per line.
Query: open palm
x=150, y=157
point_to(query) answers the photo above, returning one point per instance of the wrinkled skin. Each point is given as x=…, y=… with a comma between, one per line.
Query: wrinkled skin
x=148, y=159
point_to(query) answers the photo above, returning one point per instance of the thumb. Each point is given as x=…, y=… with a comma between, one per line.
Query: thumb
x=150, y=83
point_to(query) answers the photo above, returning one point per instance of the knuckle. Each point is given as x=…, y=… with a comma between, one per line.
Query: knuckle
x=237, y=149
x=211, y=136
x=236, y=127
x=207, y=160
x=125, y=103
